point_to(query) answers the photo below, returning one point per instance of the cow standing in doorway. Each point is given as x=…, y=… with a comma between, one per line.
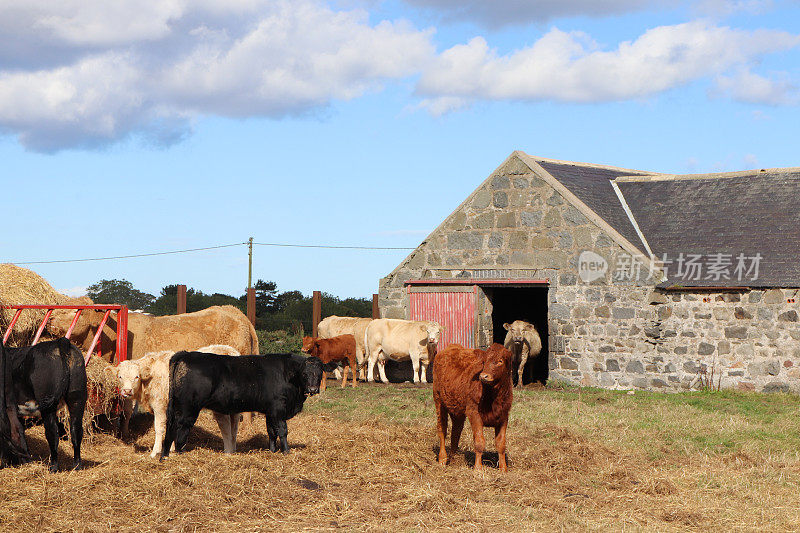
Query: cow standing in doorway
x=523, y=341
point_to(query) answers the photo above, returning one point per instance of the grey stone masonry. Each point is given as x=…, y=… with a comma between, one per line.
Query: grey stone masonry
x=613, y=330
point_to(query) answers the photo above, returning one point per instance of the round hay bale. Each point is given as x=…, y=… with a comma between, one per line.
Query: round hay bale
x=22, y=286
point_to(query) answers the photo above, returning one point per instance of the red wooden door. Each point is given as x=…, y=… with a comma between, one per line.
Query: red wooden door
x=453, y=310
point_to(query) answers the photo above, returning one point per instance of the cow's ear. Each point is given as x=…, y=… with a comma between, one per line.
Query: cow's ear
x=507, y=326
x=145, y=365
x=329, y=367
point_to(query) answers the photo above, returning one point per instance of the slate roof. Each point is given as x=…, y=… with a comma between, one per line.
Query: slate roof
x=592, y=186
x=738, y=215
x=728, y=223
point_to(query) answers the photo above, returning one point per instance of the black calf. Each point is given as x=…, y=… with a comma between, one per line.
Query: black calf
x=42, y=376
x=273, y=384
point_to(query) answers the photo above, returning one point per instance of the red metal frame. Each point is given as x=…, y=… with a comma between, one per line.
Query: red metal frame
x=122, y=324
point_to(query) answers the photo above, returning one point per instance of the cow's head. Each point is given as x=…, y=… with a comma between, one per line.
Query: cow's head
x=434, y=332
x=312, y=373
x=131, y=375
x=519, y=330
x=496, y=365
x=308, y=344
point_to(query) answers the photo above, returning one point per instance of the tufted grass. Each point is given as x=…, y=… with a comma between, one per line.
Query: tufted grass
x=364, y=459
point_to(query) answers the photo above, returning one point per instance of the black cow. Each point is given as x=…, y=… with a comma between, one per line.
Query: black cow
x=273, y=384
x=42, y=376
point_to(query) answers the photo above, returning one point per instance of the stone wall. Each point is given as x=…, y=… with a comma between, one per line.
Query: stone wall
x=610, y=332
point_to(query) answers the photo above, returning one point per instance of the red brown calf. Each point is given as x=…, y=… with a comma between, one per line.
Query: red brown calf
x=473, y=384
x=335, y=349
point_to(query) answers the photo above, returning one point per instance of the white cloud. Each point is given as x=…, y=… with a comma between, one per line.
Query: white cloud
x=510, y=12
x=571, y=67
x=93, y=72
x=74, y=292
x=750, y=161
x=746, y=86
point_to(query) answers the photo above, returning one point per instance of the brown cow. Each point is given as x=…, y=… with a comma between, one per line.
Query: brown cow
x=335, y=349
x=473, y=384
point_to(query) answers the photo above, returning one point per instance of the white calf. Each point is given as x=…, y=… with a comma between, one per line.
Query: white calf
x=146, y=381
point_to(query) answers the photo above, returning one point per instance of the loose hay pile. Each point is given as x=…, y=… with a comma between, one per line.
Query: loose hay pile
x=22, y=286
x=378, y=472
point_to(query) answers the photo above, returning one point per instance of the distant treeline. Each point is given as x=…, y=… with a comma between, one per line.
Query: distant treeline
x=288, y=311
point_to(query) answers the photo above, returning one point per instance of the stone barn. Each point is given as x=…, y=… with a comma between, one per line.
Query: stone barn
x=633, y=279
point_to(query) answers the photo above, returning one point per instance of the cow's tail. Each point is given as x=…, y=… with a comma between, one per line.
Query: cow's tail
x=169, y=434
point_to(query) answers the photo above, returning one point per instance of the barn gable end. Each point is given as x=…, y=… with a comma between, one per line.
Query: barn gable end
x=558, y=241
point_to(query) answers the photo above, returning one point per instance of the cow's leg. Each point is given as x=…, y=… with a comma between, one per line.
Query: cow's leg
x=500, y=444
x=185, y=424
x=344, y=375
x=283, y=433
x=423, y=377
x=382, y=369
x=178, y=430
x=224, y=423
x=76, y=405
x=455, y=436
x=160, y=425
x=360, y=360
x=373, y=358
x=125, y=419
x=477, y=435
x=415, y=366
x=18, y=433
x=272, y=432
x=354, y=370
x=50, y=422
x=234, y=430
x=441, y=430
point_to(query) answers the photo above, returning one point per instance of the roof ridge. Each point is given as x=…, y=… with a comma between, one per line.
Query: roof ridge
x=709, y=175
x=588, y=165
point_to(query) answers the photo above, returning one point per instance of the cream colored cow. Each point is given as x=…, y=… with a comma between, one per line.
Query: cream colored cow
x=333, y=326
x=523, y=341
x=146, y=382
x=388, y=338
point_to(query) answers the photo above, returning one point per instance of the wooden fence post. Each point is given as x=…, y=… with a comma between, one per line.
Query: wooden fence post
x=181, y=299
x=251, y=306
x=376, y=311
x=316, y=314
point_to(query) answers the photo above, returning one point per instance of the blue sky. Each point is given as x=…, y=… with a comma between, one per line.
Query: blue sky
x=159, y=125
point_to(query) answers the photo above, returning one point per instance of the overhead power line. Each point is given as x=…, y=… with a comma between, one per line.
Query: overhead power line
x=332, y=246
x=189, y=250
x=125, y=256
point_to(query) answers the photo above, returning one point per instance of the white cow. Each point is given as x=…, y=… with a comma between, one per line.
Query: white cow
x=387, y=338
x=523, y=341
x=334, y=326
x=146, y=381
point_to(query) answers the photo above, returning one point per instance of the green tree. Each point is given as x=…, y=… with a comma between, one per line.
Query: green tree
x=119, y=291
x=167, y=301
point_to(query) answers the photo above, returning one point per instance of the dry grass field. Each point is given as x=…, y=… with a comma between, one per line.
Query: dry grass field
x=365, y=460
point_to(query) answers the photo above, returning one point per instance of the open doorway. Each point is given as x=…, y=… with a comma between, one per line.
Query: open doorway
x=528, y=304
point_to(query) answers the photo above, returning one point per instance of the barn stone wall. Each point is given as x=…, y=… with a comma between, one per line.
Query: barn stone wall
x=614, y=332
